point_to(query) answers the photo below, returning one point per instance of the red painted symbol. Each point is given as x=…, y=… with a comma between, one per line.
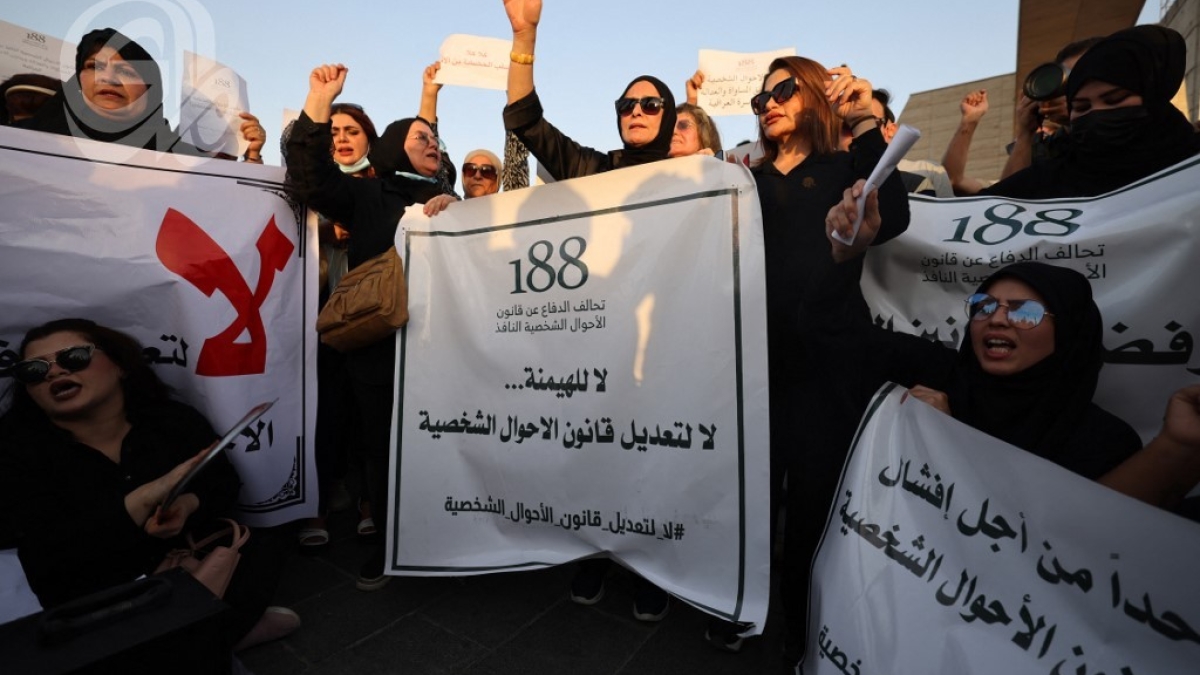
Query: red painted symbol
x=188, y=251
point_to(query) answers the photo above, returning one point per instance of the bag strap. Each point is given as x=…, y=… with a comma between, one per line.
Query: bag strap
x=236, y=532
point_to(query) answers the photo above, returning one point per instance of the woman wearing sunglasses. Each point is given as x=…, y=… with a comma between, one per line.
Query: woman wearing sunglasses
x=89, y=449
x=695, y=133
x=1026, y=373
x=801, y=110
x=645, y=112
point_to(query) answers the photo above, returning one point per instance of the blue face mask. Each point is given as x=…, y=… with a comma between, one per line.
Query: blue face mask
x=360, y=165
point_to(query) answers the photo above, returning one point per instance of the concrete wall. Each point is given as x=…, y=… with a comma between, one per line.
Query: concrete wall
x=937, y=115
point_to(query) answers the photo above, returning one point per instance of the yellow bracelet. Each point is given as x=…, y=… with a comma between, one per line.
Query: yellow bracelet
x=523, y=59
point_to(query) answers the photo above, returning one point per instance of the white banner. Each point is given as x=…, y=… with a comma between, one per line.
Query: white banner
x=1139, y=246
x=584, y=371
x=949, y=551
x=203, y=261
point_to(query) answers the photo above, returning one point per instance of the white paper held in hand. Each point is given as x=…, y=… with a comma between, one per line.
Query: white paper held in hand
x=904, y=139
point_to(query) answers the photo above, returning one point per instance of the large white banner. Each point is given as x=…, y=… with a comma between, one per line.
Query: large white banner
x=1139, y=246
x=584, y=372
x=949, y=551
x=205, y=262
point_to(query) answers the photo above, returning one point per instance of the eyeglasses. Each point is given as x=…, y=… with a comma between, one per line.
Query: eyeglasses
x=781, y=93
x=1022, y=314
x=684, y=125
x=424, y=138
x=71, y=359
x=651, y=105
x=485, y=171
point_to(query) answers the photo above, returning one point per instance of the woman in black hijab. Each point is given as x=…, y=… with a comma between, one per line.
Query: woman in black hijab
x=645, y=113
x=116, y=96
x=1123, y=125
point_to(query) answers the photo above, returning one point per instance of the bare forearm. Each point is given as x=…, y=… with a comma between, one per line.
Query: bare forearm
x=1020, y=157
x=1161, y=473
x=520, y=75
x=955, y=159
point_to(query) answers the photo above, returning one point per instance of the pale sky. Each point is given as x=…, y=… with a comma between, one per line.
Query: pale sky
x=587, y=50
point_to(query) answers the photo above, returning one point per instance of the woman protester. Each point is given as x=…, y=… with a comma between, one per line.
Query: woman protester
x=646, y=122
x=90, y=448
x=1026, y=373
x=1123, y=125
x=116, y=96
x=645, y=112
x=695, y=133
x=353, y=134
x=801, y=110
x=405, y=159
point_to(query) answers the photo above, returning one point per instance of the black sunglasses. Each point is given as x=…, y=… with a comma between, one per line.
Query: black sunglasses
x=485, y=171
x=651, y=105
x=781, y=93
x=71, y=359
x=1023, y=314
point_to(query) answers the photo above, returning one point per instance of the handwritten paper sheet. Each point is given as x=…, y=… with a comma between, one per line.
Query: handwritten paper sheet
x=473, y=61
x=731, y=78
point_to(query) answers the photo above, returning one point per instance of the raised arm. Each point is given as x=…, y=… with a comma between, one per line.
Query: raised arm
x=1027, y=126
x=524, y=16
x=693, y=85
x=973, y=107
x=429, y=93
x=325, y=83
x=1164, y=471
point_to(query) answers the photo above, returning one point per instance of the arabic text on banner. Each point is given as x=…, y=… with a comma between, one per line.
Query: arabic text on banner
x=584, y=371
x=203, y=261
x=949, y=551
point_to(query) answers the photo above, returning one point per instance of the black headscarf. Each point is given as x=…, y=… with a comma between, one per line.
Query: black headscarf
x=390, y=160
x=661, y=145
x=1042, y=407
x=68, y=114
x=1116, y=147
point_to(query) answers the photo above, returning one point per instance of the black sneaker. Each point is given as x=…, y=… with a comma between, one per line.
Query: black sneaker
x=370, y=575
x=725, y=635
x=650, y=603
x=587, y=588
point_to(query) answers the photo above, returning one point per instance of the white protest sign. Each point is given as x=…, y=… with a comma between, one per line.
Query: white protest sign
x=203, y=261
x=584, y=371
x=213, y=97
x=732, y=78
x=473, y=61
x=949, y=551
x=1138, y=246
x=27, y=51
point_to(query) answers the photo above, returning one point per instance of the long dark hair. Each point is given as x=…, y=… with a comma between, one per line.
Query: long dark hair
x=818, y=123
x=141, y=384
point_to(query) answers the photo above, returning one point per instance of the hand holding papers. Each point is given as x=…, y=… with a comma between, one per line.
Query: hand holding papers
x=904, y=139
x=214, y=450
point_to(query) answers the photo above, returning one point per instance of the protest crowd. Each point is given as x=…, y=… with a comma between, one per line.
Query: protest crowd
x=93, y=443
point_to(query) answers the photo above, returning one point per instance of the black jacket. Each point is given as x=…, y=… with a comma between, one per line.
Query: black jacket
x=66, y=500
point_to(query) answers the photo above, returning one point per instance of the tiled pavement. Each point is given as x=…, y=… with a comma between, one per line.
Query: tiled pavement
x=496, y=624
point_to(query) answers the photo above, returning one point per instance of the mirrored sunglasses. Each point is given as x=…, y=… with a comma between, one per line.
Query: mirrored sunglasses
x=1023, y=314
x=780, y=92
x=70, y=359
x=651, y=105
x=485, y=171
